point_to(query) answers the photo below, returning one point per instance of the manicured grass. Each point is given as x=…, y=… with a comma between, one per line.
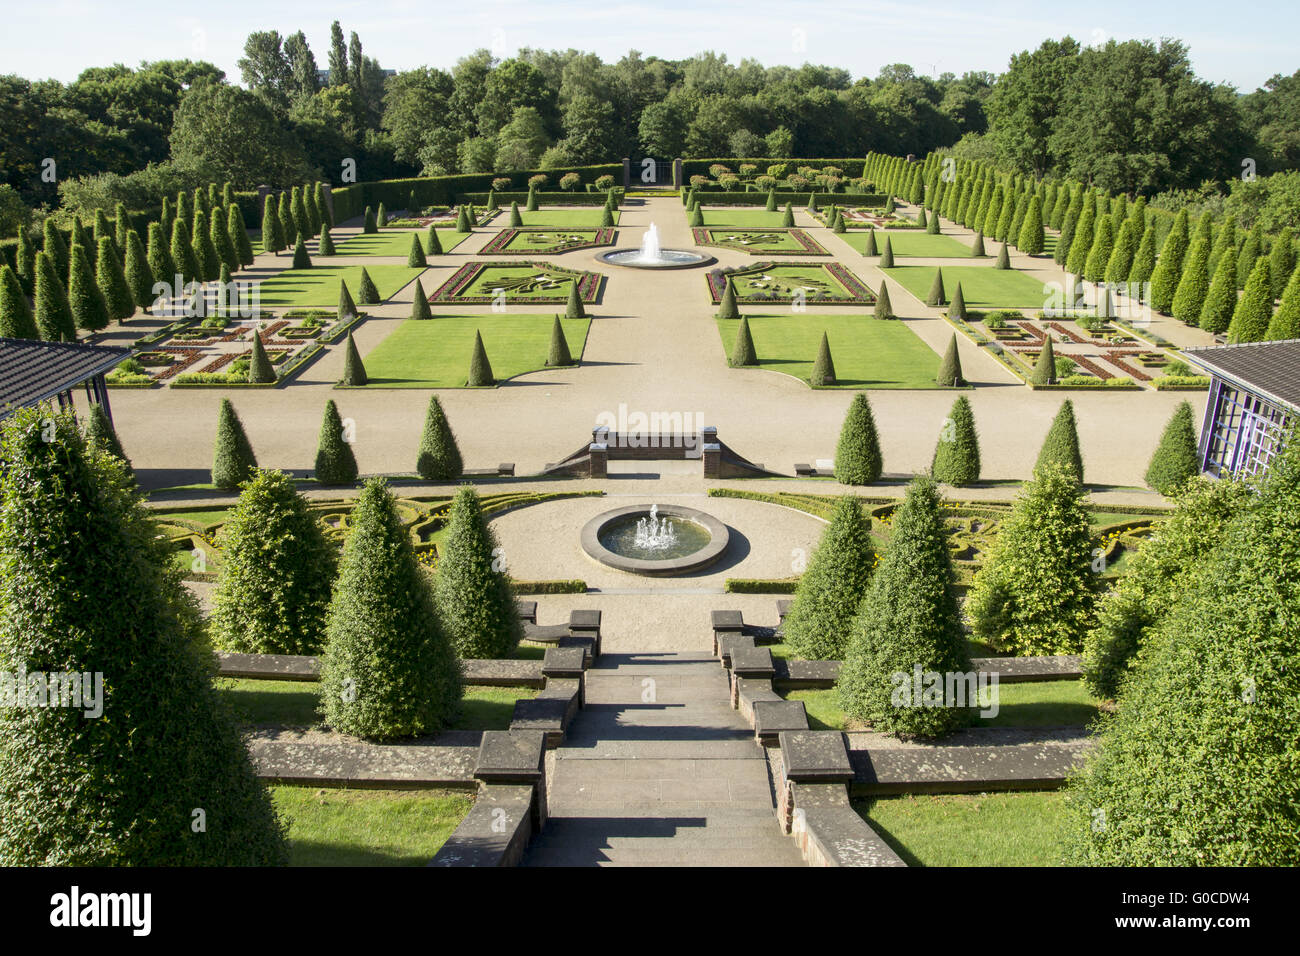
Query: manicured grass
x=551, y=216
x=1058, y=703
x=435, y=353
x=982, y=829
x=318, y=287
x=550, y=242
x=202, y=517
x=334, y=827
x=981, y=286
x=760, y=242
x=782, y=282
x=868, y=353
x=519, y=283
x=732, y=216
x=1054, y=703
x=296, y=703
x=394, y=242
x=914, y=243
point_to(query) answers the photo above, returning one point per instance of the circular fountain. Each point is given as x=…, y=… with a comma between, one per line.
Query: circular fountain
x=652, y=256
x=655, y=539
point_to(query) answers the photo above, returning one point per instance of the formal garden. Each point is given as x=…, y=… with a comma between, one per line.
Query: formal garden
x=980, y=624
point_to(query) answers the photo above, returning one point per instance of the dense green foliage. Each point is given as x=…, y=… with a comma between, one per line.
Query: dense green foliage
x=957, y=454
x=88, y=587
x=909, y=619
x=335, y=462
x=278, y=570
x=1061, y=446
x=233, y=461
x=388, y=670
x=826, y=600
x=1176, y=458
x=823, y=371
x=857, y=456
x=742, y=350
x=354, y=372
x=439, y=456
x=1037, y=590
x=473, y=592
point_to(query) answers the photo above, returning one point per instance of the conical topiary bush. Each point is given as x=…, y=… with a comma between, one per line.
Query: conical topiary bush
x=420, y=303
x=857, y=456
x=335, y=462
x=937, y=297
x=260, y=369
x=957, y=308
x=743, y=354
x=573, y=307
x=950, y=368
x=559, y=355
x=869, y=247
x=370, y=225
x=909, y=619
x=977, y=247
x=119, y=788
x=516, y=220
x=433, y=244
x=415, y=258
x=354, y=372
x=480, y=369
x=101, y=435
x=884, y=308
x=1004, y=258
x=1061, y=446
x=1044, y=372
x=820, y=621
x=823, y=372
x=439, y=457
x=787, y=219
x=727, y=308
x=388, y=669
x=1177, y=458
x=472, y=589
x=233, y=461
x=887, y=255
x=957, y=454
x=347, y=308
x=300, y=258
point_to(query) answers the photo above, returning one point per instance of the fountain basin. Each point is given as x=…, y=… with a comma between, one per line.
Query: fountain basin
x=610, y=539
x=667, y=259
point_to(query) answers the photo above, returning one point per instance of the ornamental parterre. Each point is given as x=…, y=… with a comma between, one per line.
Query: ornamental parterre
x=538, y=283
x=786, y=282
x=546, y=240
x=759, y=242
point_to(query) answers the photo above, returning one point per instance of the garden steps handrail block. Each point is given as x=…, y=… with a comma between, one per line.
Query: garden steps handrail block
x=478, y=672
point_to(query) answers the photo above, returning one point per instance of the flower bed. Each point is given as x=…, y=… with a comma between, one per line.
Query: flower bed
x=751, y=241
x=536, y=283
x=761, y=283
x=563, y=240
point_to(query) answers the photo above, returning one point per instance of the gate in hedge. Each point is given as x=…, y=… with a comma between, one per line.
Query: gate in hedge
x=646, y=172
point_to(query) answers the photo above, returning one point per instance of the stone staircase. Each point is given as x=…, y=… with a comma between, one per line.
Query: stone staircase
x=659, y=770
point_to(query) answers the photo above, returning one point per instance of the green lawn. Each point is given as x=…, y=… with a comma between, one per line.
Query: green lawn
x=1057, y=703
x=562, y=216
x=759, y=242
x=318, y=287
x=981, y=286
x=395, y=242
x=334, y=827
x=522, y=283
x=868, y=353
x=981, y=829
x=733, y=216
x=913, y=243
x=435, y=353
x=296, y=703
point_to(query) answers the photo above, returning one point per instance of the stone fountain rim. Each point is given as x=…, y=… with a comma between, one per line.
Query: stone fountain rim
x=705, y=259
x=719, y=537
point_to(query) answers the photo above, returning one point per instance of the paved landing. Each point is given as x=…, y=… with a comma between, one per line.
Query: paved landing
x=659, y=770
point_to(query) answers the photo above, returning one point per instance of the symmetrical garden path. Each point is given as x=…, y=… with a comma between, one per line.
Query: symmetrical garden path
x=658, y=769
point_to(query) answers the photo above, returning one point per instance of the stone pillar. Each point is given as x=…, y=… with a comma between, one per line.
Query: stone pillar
x=712, y=460
x=677, y=174
x=262, y=193
x=599, y=460
x=627, y=173
x=328, y=190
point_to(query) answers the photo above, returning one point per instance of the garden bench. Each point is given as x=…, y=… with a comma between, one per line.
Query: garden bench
x=504, y=470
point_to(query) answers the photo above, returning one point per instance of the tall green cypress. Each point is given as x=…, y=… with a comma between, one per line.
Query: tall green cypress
x=1176, y=459
x=272, y=230
x=1030, y=239
x=1169, y=267
x=1225, y=239
x=1144, y=260
x=1120, y=263
x=139, y=277
x=1221, y=300
x=58, y=249
x=950, y=374
x=1285, y=323
x=1281, y=260
x=25, y=261
x=335, y=462
x=53, y=314
x=1103, y=243
x=205, y=253
x=84, y=296
x=1251, y=249
x=1194, y=284
x=233, y=461
x=1251, y=318
x=182, y=252
x=16, y=319
x=415, y=257
x=260, y=369
x=112, y=282
x=227, y=254
x=1084, y=234
x=1069, y=224
x=367, y=294
x=473, y=593
x=1061, y=446
x=433, y=244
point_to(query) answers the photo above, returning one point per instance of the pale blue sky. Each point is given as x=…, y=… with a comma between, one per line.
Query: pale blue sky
x=1243, y=43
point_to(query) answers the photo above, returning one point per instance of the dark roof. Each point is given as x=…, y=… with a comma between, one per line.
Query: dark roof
x=32, y=371
x=1270, y=369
